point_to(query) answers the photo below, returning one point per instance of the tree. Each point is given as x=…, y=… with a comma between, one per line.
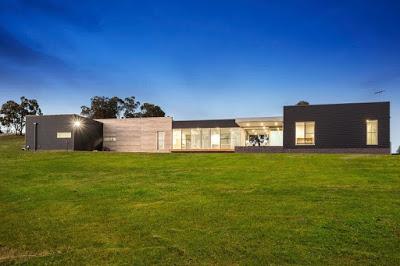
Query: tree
x=151, y=110
x=130, y=106
x=114, y=107
x=13, y=114
x=103, y=107
x=303, y=103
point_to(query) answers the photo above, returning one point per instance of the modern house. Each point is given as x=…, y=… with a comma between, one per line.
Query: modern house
x=328, y=128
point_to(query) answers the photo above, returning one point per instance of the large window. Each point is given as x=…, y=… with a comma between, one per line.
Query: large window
x=205, y=138
x=186, y=139
x=176, y=139
x=196, y=138
x=215, y=138
x=235, y=137
x=305, y=133
x=372, y=132
x=225, y=141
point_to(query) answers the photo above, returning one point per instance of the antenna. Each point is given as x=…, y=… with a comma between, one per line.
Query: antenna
x=379, y=92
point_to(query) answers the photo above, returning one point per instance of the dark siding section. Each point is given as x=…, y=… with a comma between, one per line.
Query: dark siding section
x=89, y=136
x=205, y=123
x=338, y=125
x=47, y=128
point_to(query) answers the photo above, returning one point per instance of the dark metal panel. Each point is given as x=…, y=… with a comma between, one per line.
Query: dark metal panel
x=46, y=132
x=205, y=123
x=89, y=136
x=339, y=125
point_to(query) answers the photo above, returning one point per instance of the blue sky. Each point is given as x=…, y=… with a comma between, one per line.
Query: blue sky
x=201, y=59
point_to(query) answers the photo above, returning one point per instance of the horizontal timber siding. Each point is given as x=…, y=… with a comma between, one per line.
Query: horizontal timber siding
x=137, y=134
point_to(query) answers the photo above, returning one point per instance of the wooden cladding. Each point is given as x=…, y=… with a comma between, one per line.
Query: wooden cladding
x=137, y=134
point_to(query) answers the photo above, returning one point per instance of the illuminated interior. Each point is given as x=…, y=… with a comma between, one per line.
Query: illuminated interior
x=262, y=131
x=206, y=138
x=266, y=131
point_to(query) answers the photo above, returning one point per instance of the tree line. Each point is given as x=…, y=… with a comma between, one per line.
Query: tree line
x=13, y=114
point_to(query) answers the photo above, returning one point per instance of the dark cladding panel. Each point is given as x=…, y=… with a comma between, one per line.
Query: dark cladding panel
x=338, y=125
x=89, y=135
x=46, y=132
x=205, y=123
x=57, y=132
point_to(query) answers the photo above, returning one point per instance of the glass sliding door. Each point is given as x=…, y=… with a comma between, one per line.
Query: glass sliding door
x=225, y=138
x=186, y=139
x=195, y=138
x=235, y=137
x=215, y=138
x=176, y=139
x=205, y=138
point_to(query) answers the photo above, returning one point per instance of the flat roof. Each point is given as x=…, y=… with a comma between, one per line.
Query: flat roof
x=204, y=123
x=330, y=104
x=259, y=119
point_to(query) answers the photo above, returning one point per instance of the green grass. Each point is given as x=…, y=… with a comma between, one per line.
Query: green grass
x=123, y=208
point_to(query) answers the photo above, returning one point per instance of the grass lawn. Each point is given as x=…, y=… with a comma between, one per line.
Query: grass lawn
x=122, y=208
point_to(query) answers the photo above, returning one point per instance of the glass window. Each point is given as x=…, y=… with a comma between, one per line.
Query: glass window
x=160, y=140
x=176, y=139
x=372, y=132
x=64, y=135
x=305, y=133
x=225, y=138
x=186, y=139
x=205, y=138
x=109, y=139
x=235, y=137
x=215, y=140
x=196, y=138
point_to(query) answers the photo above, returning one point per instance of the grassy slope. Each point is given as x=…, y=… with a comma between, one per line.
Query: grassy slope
x=104, y=208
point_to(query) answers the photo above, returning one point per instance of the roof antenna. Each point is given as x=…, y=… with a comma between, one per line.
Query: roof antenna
x=379, y=92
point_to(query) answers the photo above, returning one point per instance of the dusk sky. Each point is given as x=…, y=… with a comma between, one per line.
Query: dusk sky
x=201, y=59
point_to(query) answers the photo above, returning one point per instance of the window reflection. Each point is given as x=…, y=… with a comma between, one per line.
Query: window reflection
x=206, y=138
x=215, y=138
x=186, y=139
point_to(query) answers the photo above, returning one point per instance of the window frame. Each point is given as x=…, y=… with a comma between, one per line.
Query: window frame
x=371, y=133
x=304, y=133
x=64, y=135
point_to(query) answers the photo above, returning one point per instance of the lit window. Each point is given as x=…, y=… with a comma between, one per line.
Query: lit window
x=196, y=138
x=186, y=139
x=225, y=138
x=160, y=140
x=215, y=138
x=109, y=139
x=372, y=132
x=63, y=135
x=305, y=133
x=205, y=138
x=176, y=139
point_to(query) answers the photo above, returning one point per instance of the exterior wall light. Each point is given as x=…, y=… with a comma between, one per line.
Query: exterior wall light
x=77, y=124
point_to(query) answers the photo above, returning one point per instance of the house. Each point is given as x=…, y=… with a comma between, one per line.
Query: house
x=326, y=128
